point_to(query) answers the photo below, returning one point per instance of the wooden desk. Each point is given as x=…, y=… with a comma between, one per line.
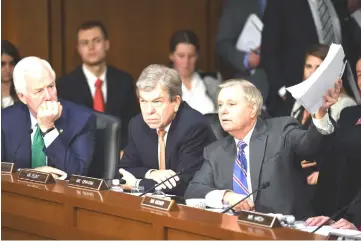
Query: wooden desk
x=56, y=211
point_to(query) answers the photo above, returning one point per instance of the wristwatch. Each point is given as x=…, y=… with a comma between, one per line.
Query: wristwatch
x=47, y=131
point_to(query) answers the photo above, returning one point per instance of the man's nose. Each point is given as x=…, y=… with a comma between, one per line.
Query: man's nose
x=47, y=94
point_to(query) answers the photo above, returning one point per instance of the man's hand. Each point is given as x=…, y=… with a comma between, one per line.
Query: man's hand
x=317, y=221
x=129, y=178
x=231, y=198
x=313, y=178
x=344, y=224
x=330, y=98
x=48, y=113
x=161, y=175
x=56, y=173
x=253, y=59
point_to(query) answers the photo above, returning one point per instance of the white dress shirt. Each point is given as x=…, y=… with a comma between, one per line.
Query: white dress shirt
x=48, y=138
x=91, y=78
x=197, y=97
x=6, y=101
x=215, y=198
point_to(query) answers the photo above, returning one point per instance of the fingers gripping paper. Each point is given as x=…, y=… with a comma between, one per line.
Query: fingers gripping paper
x=310, y=92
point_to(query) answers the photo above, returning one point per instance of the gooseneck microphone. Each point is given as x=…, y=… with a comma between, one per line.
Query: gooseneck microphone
x=167, y=179
x=354, y=201
x=263, y=186
x=20, y=142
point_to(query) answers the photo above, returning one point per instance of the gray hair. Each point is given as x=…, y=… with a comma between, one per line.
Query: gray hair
x=166, y=77
x=251, y=93
x=29, y=66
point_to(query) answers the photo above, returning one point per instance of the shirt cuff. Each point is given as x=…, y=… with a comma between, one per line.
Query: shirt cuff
x=50, y=137
x=137, y=182
x=324, y=125
x=282, y=91
x=214, y=199
x=245, y=61
x=147, y=174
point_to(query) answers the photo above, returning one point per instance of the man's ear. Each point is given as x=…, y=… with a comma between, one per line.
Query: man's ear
x=107, y=45
x=253, y=110
x=177, y=101
x=22, y=98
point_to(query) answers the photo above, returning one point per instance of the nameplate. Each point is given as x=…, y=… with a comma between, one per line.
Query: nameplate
x=87, y=183
x=159, y=204
x=31, y=175
x=338, y=236
x=89, y=194
x=258, y=219
x=7, y=167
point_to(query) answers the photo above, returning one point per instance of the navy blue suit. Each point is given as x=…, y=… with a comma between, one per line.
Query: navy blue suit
x=71, y=151
x=189, y=133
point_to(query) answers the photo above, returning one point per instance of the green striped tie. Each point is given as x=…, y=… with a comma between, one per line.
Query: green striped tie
x=38, y=158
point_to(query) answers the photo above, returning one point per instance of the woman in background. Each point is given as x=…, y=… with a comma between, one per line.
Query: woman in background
x=198, y=90
x=9, y=58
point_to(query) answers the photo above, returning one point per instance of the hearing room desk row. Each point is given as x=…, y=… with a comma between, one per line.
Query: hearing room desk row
x=56, y=211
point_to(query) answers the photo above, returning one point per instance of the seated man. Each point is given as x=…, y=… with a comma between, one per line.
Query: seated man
x=168, y=136
x=62, y=133
x=259, y=151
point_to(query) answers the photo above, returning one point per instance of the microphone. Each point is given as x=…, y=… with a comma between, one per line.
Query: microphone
x=354, y=201
x=20, y=142
x=167, y=179
x=263, y=186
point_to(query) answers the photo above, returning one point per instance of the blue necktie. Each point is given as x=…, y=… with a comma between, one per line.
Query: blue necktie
x=262, y=5
x=240, y=171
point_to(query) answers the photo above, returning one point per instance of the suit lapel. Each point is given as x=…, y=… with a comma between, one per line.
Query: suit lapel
x=82, y=85
x=229, y=155
x=24, y=152
x=257, y=152
x=113, y=92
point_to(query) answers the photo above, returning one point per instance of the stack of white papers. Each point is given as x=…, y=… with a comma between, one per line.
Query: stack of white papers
x=250, y=37
x=326, y=230
x=310, y=92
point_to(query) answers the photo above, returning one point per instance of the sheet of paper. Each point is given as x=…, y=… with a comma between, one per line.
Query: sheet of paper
x=250, y=37
x=325, y=230
x=309, y=93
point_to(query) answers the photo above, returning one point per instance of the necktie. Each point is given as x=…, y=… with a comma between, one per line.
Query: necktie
x=98, y=103
x=240, y=171
x=326, y=23
x=161, y=134
x=38, y=158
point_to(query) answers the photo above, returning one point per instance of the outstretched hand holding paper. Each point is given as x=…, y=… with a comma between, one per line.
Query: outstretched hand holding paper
x=311, y=92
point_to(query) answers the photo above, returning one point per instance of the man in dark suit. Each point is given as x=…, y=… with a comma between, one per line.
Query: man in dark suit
x=290, y=27
x=62, y=133
x=167, y=137
x=96, y=84
x=264, y=151
x=240, y=64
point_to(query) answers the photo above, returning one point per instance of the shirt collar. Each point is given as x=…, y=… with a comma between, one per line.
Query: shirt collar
x=91, y=77
x=247, y=138
x=166, y=128
x=196, y=78
x=33, y=121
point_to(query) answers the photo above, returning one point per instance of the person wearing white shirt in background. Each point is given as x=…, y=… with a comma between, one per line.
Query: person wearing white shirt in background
x=270, y=150
x=200, y=93
x=9, y=58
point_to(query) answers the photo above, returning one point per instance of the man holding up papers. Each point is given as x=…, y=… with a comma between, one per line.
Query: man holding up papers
x=259, y=151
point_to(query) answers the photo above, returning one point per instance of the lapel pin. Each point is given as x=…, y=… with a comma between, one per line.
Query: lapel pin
x=61, y=131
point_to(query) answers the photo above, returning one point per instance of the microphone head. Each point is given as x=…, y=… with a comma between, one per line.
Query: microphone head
x=265, y=185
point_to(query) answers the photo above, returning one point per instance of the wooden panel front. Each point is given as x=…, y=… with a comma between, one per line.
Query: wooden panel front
x=174, y=234
x=12, y=234
x=112, y=226
x=32, y=208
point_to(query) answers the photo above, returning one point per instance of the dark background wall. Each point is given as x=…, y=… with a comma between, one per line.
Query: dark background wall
x=139, y=30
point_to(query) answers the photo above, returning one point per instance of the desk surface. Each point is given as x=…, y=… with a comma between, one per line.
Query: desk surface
x=56, y=211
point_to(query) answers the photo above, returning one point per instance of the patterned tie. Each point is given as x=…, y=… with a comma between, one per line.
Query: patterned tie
x=326, y=23
x=38, y=158
x=161, y=134
x=98, y=103
x=240, y=171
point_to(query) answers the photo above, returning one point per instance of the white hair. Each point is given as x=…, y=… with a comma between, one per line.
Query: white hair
x=29, y=66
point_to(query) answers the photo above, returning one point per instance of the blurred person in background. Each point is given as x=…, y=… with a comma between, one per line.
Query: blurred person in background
x=9, y=58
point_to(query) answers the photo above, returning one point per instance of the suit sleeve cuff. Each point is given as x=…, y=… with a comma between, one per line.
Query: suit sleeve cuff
x=324, y=125
x=50, y=137
x=214, y=199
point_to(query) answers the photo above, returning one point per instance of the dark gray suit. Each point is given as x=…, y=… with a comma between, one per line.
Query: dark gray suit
x=231, y=23
x=277, y=145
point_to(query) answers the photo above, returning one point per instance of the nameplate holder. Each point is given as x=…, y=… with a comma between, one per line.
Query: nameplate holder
x=31, y=175
x=159, y=204
x=89, y=183
x=338, y=236
x=7, y=167
x=258, y=219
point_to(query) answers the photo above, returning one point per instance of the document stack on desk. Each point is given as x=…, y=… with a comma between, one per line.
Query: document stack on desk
x=310, y=92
